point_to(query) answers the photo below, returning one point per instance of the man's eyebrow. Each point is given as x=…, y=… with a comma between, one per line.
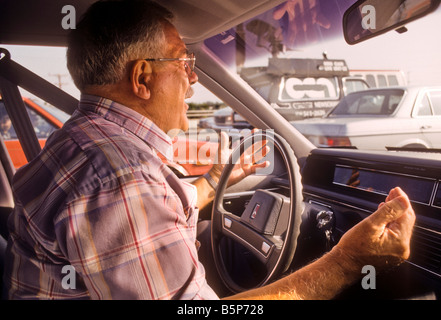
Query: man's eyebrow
x=183, y=51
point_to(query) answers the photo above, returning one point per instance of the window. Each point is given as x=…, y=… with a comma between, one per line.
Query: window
x=378, y=102
x=370, y=104
x=382, y=80
x=352, y=85
x=371, y=81
x=6, y=128
x=435, y=99
x=42, y=127
x=423, y=109
x=392, y=79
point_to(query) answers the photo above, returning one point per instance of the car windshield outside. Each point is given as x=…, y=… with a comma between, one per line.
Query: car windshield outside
x=302, y=66
x=381, y=103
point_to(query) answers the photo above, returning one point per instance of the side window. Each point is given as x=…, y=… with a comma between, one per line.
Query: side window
x=423, y=109
x=371, y=104
x=370, y=79
x=392, y=79
x=394, y=100
x=42, y=127
x=6, y=128
x=435, y=99
x=367, y=104
x=352, y=85
x=382, y=81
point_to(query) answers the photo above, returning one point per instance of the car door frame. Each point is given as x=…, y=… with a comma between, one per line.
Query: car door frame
x=429, y=125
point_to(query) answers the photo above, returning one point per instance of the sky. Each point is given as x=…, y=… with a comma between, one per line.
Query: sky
x=417, y=54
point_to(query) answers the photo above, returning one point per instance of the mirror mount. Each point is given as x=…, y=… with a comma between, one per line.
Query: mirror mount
x=366, y=19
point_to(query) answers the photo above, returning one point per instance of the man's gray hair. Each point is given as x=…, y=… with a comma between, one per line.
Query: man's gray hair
x=111, y=34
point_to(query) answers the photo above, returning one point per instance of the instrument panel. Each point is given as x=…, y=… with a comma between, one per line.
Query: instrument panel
x=351, y=183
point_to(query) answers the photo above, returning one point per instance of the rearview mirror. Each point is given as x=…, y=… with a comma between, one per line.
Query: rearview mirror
x=369, y=18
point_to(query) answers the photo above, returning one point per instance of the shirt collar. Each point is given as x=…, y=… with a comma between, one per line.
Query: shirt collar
x=130, y=120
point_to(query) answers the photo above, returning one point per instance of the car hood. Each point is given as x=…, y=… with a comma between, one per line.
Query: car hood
x=347, y=126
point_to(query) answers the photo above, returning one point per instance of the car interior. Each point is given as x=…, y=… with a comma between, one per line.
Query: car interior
x=275, y=221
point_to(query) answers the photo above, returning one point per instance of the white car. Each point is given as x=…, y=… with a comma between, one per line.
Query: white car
x=394, y=117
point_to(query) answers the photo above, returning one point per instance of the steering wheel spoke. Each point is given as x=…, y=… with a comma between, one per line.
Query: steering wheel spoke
x=235, y=229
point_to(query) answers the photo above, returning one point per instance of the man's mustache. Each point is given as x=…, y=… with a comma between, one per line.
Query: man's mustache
x=189, y=93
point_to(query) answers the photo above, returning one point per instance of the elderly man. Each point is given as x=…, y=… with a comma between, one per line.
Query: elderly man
x=99, y=199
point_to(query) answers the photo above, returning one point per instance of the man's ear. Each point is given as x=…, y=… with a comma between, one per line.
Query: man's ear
x=140, y=75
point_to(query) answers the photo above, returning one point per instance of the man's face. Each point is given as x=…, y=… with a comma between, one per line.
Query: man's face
x=171, y=85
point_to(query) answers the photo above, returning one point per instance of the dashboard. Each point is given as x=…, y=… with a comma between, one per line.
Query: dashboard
x=341, y=187
x=350, y=184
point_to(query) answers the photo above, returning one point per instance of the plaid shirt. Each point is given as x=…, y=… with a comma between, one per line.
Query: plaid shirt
x=98, y=215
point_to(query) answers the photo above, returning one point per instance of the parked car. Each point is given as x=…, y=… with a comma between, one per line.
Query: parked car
x=395, y=117
x=308, y=199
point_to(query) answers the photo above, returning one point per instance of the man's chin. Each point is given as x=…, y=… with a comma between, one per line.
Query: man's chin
x=183, y=128
x=185, y=123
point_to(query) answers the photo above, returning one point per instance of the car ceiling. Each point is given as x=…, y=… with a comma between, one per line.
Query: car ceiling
x=38, y=22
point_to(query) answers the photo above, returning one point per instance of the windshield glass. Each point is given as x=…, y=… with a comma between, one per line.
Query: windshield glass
x=381, y=103
x=296, y=58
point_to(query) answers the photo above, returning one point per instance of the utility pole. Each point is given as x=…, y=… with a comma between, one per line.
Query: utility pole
x=59, y=82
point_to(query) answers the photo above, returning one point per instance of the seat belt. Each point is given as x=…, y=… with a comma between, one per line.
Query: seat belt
x=35, y=84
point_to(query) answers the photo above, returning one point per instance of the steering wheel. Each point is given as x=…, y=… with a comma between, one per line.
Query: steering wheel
x=266, y=232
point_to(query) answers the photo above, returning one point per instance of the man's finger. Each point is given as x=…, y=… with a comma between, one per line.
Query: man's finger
x=261, y=165
x=223, y=151
x=391, y=210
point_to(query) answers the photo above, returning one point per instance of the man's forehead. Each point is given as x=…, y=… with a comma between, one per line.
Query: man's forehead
x=174, y=41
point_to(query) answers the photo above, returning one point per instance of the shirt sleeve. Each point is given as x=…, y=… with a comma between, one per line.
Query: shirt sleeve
x=132, y=239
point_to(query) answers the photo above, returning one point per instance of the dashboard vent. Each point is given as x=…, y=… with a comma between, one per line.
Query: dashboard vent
x=426, y=249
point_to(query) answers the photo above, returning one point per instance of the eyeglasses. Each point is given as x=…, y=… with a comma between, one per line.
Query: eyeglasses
x=190, y=62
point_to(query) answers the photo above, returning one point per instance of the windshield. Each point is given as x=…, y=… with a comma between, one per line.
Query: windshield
x=381, y=103
x=296, y=58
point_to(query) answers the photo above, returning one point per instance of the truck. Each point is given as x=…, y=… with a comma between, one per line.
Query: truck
x=298, y=88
